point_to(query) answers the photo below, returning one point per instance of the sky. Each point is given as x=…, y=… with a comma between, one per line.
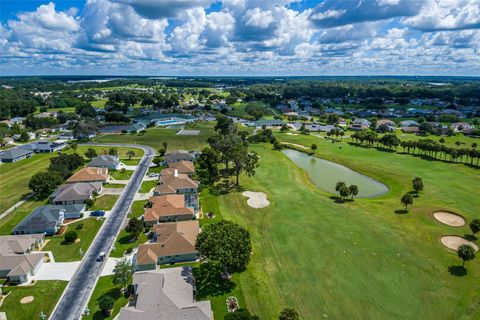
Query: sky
x=240, y=37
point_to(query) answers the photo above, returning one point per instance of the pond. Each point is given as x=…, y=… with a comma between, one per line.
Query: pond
x=325, y=175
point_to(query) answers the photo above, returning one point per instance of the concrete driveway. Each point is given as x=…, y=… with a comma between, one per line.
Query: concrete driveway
x=57, y=271
x=111, y=263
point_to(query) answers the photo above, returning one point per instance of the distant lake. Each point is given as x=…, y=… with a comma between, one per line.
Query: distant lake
x=325, y=175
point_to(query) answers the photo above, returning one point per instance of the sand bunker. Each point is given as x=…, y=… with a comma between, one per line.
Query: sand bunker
x=449, y=218
x=26, y=299
x=256, y=200
x=453, y=242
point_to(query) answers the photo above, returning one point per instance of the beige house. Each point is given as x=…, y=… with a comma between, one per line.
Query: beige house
x=17, y=262
x=168, y=207
x=182, y=167
x=174, y=242
x=89, y=174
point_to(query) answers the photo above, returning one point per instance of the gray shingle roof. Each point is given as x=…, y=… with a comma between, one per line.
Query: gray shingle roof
x=42, y=218
x=15, y=153
x=80, y=191
x=104, y=161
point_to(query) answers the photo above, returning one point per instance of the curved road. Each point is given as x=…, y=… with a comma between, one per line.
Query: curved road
x=79, y=289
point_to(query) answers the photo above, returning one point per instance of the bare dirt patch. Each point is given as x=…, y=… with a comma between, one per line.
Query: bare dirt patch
x=26, y=299
x=453, y=242
x=449, y=218
x=256, y=200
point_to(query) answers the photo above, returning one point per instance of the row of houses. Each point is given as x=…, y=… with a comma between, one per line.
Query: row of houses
x=27, y=150
x=172, y=211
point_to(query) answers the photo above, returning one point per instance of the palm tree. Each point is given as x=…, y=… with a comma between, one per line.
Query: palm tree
x=353, y=189
x=466, y=253
x=417, y=184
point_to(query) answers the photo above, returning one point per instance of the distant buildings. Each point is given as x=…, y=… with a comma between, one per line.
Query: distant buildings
x=15, y=154
x=179, y=155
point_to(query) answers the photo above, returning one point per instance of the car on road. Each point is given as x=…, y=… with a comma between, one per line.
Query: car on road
x=97, y=213
x=153, y=175
x=101, y=256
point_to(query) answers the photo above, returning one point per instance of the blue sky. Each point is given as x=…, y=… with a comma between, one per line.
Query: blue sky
x=240, y=37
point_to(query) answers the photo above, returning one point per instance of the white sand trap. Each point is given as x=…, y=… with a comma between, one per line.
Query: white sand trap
x=26, y=300
x=256, y=200
x=453, y=242
x=449, y=218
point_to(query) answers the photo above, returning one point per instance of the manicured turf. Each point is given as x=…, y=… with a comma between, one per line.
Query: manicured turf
x=121, y=175
x=130, y=162
x=156, y=169
x=138, y=208
x=147, y=186
x=45, y=296
x=156, y=136
x=209, y=203
x=63, y=252
x=15, y=176
x=122, y=243
x=105, y=286
x=99, y=103
x=11, y=220
x=105, y=202
x=114, y=185
x=122, y=151
x=356, y=260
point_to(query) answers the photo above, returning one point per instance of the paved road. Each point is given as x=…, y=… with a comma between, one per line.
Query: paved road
x=78, y=291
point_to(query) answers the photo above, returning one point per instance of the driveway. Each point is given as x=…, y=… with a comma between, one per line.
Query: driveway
x=56, y=271
x=111, y=263
x=114, y=191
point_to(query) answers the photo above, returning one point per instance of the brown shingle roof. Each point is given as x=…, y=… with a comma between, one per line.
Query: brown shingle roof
x=186, y=167
x=173, y=238
x=89, y=174
x=166, y=205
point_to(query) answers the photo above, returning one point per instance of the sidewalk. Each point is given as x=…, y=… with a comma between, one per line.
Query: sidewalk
x=15, y=206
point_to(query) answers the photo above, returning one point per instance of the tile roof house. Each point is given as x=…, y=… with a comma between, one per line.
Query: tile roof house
x=173, y=242
x=106, y=161
x=179, y=155
x=75, y=193
x=17, y=262
x=166, y=294
x=45, y=219
x=15, y=154
x=168, y=207
x=182, y=167
x=175, y=183
x=89, y=174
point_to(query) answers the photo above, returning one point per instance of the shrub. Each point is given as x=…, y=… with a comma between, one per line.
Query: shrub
x=129, y=250
x=71, y=236
x=79, y=226
x=106, y=303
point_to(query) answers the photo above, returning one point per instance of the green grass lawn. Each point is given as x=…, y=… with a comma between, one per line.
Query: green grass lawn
x=148, y=185
x=155, y=169
x=105, y=202
x=11, y=220
x=209, y=203
x=138, y=208
x=130, y=162
x=122, y=243
x=15, y=176
x=45, y=296
x=63, y=252
x=358, y=260
x=105, y=286
x=122, y=151
x=99, y=103
x=114, y=185
x=156, y=136
x=121, y=175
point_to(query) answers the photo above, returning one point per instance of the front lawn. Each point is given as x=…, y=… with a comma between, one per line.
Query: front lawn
x=105, y=202
x=147, y=186
x=114, y=185
x=121, y=174
x=105, y=287
x=122, y=243
x=130, y=162
x=122, y=151
x=45, y=296
x=155, y=169
x=66, y=252
x=13, y=218
x=138, y=208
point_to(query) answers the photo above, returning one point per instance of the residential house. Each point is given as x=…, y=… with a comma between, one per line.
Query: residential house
x=15, y=154
x=17, y=261
x=409, y=123
x=89, y=174
x=45, y=219
x=165, y=294
x=6, y=141
x=386, y=122
x=75, y=193
x=179, y=155
x=106, y=161
x=320, y=128
x=182, y=167
x=412, y=129
x=168, y=207
x=178, y=184
x=44, y=146
x=268, y=123
x=173, y=242
x=461, y=126
x=342, y=122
